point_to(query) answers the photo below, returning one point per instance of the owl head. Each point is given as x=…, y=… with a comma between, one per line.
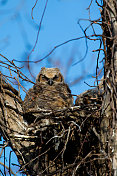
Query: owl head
x=50, y=76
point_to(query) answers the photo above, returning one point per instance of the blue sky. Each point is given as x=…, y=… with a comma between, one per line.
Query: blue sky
x=18, y=34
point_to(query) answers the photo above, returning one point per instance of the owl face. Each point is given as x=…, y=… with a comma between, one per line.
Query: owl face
x=50, y=76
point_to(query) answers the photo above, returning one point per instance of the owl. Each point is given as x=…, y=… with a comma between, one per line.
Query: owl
x=49, y=92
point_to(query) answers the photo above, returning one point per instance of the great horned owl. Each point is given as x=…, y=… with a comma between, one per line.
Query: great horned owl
x=49, y=92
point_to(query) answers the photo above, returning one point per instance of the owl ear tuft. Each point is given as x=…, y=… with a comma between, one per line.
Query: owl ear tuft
x=43, y=68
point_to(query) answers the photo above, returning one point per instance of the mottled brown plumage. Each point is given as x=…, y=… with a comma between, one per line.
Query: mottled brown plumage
x=49, y=92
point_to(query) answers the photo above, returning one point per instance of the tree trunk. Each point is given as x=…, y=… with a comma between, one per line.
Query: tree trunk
x=109, y=123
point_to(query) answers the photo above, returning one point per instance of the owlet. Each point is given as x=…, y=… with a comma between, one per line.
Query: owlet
x=49, y=92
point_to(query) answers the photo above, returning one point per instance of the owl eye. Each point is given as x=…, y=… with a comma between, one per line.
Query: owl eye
x=58, y=78
x=55, y=77
x=43, y=78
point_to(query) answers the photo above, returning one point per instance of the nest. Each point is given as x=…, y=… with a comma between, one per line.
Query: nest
x=66, y=142
x=58, y=143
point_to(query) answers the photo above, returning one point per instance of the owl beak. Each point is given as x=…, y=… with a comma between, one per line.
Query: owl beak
x=50, y=81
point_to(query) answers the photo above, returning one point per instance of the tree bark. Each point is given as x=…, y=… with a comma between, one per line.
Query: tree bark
x=109, y=123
